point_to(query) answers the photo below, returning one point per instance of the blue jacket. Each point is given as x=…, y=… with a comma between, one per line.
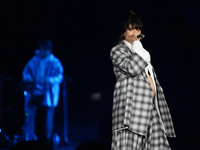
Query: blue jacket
x=46, y=74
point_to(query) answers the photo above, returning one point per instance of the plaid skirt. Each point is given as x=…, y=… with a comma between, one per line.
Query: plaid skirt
x=154, y=140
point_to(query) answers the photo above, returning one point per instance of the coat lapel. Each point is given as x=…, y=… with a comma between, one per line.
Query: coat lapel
x=128, y=50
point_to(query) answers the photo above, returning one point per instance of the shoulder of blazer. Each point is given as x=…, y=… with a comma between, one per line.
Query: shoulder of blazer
x=123, y=47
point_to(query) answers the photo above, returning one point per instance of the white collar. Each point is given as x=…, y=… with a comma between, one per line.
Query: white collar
x=128, y=44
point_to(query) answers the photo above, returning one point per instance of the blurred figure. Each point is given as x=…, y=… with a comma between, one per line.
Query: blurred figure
x=42, y=77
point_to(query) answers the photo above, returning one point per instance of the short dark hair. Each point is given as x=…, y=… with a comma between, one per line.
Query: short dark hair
x=46, y=43
x=130, y=19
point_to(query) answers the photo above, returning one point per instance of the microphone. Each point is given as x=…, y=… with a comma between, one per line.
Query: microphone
x=141, y=36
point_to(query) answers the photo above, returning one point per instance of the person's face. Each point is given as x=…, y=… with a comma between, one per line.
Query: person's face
x=44, y=52
x=131, y=33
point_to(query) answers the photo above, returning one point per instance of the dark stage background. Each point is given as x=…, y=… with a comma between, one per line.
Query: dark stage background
x=83, y=33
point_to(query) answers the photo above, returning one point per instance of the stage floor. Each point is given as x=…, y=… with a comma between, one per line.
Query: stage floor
x=58, y=148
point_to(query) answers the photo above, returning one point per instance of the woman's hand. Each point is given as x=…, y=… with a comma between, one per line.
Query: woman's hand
x=134, y=37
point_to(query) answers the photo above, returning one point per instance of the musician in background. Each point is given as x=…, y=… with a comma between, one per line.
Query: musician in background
x=42, y=77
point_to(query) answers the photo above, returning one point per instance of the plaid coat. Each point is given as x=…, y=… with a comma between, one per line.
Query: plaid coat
x=132, y=100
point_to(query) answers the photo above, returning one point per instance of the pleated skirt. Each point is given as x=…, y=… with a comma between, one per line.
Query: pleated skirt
x=154, y=140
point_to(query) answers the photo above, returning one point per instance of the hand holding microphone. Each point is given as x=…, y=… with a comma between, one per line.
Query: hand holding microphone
x=137, y=37
x=141, y=36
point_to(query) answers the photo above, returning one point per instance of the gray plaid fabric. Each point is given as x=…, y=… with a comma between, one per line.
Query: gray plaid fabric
x=155, y=139
x=126, y=140
x=132, y=100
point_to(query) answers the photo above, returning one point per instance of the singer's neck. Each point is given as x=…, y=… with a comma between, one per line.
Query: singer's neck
x=130, y=40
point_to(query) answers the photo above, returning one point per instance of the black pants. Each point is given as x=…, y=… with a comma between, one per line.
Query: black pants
x=34, y=104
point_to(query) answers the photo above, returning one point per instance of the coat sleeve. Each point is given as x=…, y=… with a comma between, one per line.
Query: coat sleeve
x=57, y=72
x=130, y=63
x=26, y=73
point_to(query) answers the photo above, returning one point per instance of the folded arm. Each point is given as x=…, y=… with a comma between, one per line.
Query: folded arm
x=131, y=64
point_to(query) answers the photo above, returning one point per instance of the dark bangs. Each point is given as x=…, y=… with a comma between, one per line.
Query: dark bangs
x=133, y=20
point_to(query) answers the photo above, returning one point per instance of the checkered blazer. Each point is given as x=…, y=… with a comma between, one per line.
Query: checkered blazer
x=132, y=99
